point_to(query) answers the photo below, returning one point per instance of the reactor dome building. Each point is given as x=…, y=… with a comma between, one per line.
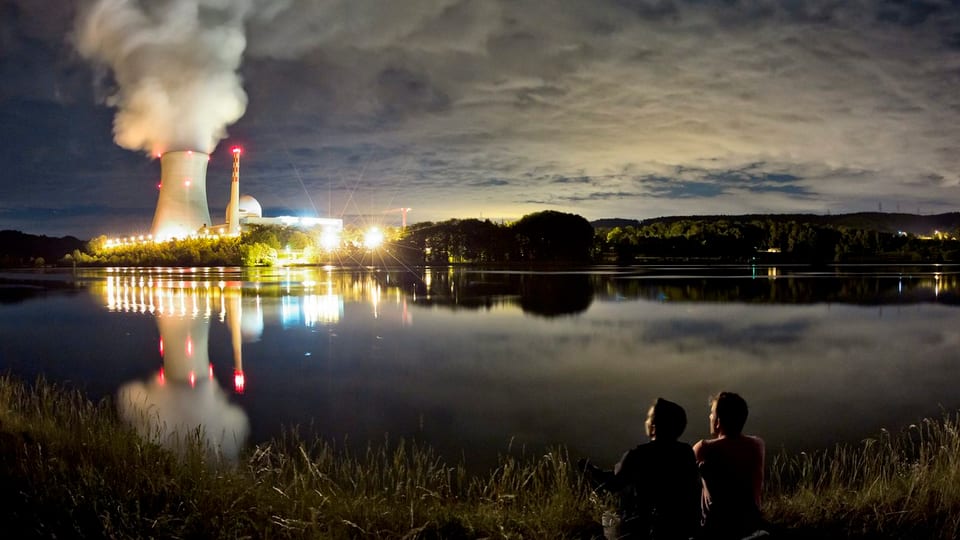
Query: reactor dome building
x=250, y=207
x=247, y=207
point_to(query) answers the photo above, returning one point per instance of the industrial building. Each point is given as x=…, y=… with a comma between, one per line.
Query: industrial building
x=182, y=209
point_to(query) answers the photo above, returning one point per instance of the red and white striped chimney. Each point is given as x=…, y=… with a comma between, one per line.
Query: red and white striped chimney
x=233, y=209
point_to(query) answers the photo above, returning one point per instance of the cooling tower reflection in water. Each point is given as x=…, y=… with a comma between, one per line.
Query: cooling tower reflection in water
x=184, y=398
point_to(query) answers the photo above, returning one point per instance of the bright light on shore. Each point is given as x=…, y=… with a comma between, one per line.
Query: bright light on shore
x=330, y=240
x=373, y=238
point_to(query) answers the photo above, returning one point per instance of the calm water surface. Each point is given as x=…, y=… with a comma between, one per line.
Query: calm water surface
x=472, y=361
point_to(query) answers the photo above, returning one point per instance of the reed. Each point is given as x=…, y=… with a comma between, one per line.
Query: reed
x=71, y=468
x=904, y=485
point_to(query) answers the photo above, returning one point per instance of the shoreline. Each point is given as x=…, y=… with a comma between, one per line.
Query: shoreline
x=70, y=466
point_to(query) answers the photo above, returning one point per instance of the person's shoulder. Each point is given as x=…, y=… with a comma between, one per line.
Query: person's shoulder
x=671, y=447
x=642, y=448
x=752, y=440
x=633, y=458
x=683, y=450
x=702, y=446
x=756, y=442
x=636, y=451
x=681, y=446
x=707, y=442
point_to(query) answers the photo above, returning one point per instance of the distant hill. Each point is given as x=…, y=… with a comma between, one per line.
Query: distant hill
x=870, y=221
x=21, y=249
x=609, y=223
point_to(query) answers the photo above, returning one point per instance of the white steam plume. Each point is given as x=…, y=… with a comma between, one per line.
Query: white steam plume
x=174, y=63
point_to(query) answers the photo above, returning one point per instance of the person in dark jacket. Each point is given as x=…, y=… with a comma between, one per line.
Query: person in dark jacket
x=658, y=482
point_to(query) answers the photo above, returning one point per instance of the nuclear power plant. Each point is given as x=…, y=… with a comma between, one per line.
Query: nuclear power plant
x=182, y=209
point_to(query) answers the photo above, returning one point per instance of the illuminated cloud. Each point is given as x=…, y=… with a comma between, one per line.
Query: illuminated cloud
x=174, y=67
x=607, y=109
x=850, y=101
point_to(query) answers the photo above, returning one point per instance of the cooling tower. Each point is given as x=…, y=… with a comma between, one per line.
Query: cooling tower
x=182, y=205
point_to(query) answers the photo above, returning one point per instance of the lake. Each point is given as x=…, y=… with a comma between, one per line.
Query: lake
x=477, y=362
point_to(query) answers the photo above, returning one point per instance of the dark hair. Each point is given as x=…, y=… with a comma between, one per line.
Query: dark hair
x=668, y=418
x=731, y=412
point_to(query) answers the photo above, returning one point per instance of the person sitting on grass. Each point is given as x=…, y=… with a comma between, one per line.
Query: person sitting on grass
x=658, y=483
x=731, y=466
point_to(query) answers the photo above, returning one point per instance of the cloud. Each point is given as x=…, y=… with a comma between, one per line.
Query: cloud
x=571, y=180
x=659, y=186
x=174, y=66
x=401, y=91
x=600, y=196
x=34, y=59
x=716, y=333
x=711, y=85
x=491, y=182
x=855, y=102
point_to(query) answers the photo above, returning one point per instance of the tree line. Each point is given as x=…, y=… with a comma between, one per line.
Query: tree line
x=18, y=249
x=547, y=237
x=771, y=238
x=543, y=237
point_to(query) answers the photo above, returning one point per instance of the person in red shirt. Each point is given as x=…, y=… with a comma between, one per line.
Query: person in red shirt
x=731, y=468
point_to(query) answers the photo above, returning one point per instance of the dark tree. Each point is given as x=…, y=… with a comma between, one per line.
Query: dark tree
x=552, y=236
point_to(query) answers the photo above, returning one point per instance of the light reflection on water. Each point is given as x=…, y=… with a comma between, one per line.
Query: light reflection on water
x=469, y=360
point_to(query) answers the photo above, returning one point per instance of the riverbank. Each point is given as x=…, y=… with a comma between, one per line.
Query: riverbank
x=70, y=468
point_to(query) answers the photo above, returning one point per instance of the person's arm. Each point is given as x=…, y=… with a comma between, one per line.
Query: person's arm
x=695, y=493
x=693, y=470
x=698, y=451
x=758, y=472
x=614, y=480
x=597, y=477
x=622, y=472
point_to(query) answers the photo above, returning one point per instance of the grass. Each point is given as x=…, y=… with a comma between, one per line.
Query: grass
x=904, y=485
x=70, y=468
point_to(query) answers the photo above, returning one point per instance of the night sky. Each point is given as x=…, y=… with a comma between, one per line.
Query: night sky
x=479, y=108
